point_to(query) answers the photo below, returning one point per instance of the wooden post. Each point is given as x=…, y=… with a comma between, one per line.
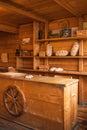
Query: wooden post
x=35, y=45
x=46, y=36
x=81, y=95
x=81, y=54
x=46, y=30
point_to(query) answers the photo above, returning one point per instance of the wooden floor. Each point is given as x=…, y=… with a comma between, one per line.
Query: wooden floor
x=6, y=124
x=9, y=125
x=81, y=118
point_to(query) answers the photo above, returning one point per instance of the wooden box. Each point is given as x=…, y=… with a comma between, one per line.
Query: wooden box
x=44, y=67
x=81, y=32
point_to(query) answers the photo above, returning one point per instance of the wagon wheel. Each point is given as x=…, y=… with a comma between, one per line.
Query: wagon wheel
x=14, y=100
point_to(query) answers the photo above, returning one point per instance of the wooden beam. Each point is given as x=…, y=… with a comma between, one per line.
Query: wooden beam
x=68, y=7
x=81, y=91
x=22, y=11
x=7, y=28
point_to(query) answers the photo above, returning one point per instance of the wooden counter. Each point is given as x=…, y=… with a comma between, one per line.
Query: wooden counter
x=49, y=103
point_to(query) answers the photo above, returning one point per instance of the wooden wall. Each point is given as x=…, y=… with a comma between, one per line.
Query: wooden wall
x=70, y=22
x=10, y=42
x=26, y=31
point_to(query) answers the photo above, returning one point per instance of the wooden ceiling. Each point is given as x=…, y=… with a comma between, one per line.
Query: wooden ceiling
x=16, y=12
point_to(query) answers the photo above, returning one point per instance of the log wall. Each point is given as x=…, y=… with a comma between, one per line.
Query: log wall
x=10, y=42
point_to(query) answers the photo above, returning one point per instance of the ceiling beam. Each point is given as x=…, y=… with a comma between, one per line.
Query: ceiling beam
x=7, y=28
x=22, y=11
x=68, y=7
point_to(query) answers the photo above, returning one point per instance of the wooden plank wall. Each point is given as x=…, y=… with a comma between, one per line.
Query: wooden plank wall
x=10, y=42
x=26, y=31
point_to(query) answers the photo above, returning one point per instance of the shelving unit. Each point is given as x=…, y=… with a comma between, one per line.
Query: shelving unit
x=70, y=40
x=24, y=56
x=76, y=73
x=74, y=66
x=46, y=59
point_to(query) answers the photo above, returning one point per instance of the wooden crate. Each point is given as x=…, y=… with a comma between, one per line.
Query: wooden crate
x=50, y=102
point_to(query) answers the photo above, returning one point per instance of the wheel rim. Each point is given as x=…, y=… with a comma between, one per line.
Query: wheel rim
x=14, y=100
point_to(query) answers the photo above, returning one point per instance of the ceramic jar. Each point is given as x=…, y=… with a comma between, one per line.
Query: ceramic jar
x=74, y=49
x=49, y=50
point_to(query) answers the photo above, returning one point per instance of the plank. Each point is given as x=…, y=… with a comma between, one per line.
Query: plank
x=21, y=11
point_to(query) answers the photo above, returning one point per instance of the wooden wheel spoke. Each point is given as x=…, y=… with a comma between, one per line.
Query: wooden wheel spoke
x=8, y=101
x=19, y=105
x=10, y=107
x=8, y=95
x=16, y=94
x=16, y=108
x=12, y=92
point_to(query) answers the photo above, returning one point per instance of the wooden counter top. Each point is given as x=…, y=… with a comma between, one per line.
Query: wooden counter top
x=54, y=80
x=42, y=79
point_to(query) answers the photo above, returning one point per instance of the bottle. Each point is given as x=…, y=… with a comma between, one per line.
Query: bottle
x=18, y=51
x=40, y=34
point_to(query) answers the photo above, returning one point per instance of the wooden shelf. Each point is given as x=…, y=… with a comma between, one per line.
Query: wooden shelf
x=61, y=39
x=24, y=69
x=50, y=57
x=73, y=73
x=50, y=72
x=61, y=57
x=24, y=56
